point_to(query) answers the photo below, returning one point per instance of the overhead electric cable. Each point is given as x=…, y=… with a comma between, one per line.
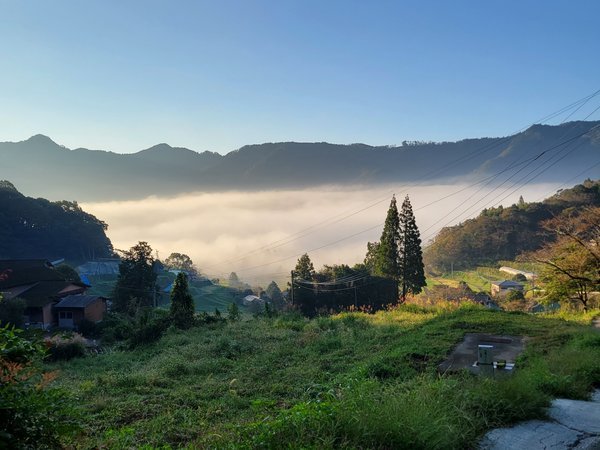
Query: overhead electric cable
x=332, y=220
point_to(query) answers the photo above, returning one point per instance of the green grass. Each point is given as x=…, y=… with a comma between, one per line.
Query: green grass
x=348, y=381
x=478, y=279
x=206, y=298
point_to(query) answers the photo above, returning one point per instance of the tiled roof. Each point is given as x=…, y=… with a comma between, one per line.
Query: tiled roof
x=507, y=284
x=77, y=301
x=35, y=281
x=15, y=272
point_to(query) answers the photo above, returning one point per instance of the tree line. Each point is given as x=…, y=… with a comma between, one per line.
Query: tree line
x=38, y=228
x=504, y=233
x=392, y=270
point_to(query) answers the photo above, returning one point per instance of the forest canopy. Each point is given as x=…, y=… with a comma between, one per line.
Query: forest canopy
x=38, y=228
x=503, y=233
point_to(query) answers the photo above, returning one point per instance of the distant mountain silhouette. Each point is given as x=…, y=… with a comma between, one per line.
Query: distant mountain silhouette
x=39, y=166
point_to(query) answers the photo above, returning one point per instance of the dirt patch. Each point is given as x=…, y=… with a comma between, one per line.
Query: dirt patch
x=464, y=355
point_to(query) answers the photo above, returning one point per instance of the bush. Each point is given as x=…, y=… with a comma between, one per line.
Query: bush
x=31, y=414
x=233, y=312
x=115, y=327
x=65, y=346
x=89, y=329
x=150, y=326
x=11, y=311
x=514, y=296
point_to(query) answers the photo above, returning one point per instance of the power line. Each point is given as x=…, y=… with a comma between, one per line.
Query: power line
x=343, y=216
x=381, y=224
x=570, y=180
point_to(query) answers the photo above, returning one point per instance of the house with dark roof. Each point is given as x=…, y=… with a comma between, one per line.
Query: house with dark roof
x=501, y=288
x=39, y=285
x=72, y=309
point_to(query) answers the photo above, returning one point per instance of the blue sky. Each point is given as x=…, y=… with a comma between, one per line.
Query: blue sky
x=125, y=75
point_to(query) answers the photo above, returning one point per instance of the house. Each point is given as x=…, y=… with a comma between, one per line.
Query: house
x=501, y=288
x=104, y=266
x=72, y=309
x=252, y=300
x=39, y=285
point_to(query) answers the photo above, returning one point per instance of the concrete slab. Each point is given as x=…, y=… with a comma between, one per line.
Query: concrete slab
x=590, y=443
x=465, y=353
x=577, y=415
x=531, y=435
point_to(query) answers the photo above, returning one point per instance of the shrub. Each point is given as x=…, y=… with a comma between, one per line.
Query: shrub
x=150, y=326
x=31, y=414
x=11, y=311
x=89, y=329
x=233, y=312
x=115, y=327
x=65, y=346
x=514, y=295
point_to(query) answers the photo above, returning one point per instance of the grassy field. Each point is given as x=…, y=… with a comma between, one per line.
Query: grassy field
x=206, y=298
x=478, y=279
x=348, y=381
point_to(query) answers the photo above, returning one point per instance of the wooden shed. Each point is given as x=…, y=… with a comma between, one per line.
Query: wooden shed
x=71, y=310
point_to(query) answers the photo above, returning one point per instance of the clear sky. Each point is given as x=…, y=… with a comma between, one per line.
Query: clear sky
x=125, y=75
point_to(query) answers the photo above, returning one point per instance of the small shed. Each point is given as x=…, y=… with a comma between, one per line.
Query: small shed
x=72, y=309
x=252, y=300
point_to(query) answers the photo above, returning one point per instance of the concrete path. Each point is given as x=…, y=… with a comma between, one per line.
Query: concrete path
x=574, y=425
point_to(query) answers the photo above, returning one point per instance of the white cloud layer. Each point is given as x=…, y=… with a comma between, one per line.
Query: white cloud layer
x=251, y=232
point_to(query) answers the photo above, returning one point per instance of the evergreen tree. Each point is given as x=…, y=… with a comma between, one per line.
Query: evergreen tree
x=234, y=281
x=182, y=303
x=412, y=273
x=386, y=262
x=304, y=268
x=181, y=261
x=233, y=312
x=136, y=283
x=274, y=293
x=370, y=261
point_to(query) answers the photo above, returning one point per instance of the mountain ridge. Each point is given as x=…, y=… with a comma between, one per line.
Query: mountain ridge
x=94, y=175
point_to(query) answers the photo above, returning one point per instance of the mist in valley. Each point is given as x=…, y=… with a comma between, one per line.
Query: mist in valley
x=260, y=235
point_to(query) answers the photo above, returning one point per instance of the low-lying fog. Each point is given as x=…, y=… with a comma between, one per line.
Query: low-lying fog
x=260, y=235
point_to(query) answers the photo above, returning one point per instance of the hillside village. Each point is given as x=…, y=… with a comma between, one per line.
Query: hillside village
x=94, y=315
x=299, y=225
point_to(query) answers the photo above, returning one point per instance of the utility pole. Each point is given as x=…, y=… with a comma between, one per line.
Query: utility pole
x=292, y=287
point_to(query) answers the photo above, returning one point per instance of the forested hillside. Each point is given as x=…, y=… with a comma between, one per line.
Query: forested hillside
x=36, y=163
x=38, y=228
x=504, y=233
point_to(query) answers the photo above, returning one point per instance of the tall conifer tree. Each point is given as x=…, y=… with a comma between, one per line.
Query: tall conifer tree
x=386, y=262
x=136, y=284
x=182, y=303
x=304, y=268
x=412, y=273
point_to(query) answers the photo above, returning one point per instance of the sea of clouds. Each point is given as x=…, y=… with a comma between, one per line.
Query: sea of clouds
x=260, y=235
